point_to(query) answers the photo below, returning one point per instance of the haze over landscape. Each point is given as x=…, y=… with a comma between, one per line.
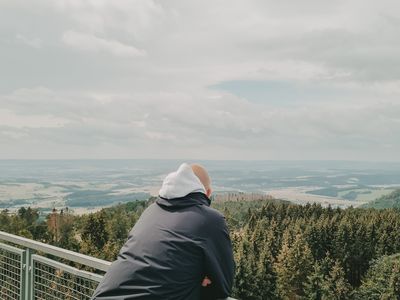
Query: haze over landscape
x=88, y=185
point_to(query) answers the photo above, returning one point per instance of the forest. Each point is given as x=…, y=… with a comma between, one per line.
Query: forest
x=386, y=201
x=282, y=250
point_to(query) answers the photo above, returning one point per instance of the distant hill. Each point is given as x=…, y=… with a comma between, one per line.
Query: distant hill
x=388, y=201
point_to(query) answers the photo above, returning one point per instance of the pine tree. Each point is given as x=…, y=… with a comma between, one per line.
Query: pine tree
x=394, y=281
x=265, y=275
x=313, y=288
x=246, y=283
x=293, y=266
x=336, y=286
x=94, y=235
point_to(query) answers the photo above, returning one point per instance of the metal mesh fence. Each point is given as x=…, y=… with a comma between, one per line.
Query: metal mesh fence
x=26, y=275
x=53, y=280
x=10, y=273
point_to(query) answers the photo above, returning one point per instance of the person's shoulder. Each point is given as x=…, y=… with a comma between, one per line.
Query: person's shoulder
x=149, y=208
x=213, y=215
x=215, y=226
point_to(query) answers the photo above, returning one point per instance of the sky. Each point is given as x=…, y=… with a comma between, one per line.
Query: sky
x=220, y=79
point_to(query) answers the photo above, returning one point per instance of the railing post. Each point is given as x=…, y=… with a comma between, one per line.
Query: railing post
x=22, y=276
x=28, y=282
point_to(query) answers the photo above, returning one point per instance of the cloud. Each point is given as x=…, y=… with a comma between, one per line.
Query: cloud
x=91, y=43
x=216, y=79
x=17, y=121
x=32, y=42
x=199, y=124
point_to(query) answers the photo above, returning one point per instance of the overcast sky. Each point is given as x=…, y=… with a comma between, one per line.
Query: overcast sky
x=214, y=79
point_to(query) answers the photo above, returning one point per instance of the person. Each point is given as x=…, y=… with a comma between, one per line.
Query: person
x=178, y=249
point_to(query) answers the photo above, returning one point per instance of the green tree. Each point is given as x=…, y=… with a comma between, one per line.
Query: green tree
x=293, y=266
x=336, y=286
x=314, y=286
x=245, y=285
x=94, y=235
x=382, y=280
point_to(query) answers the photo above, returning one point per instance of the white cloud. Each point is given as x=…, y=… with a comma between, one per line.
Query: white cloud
x=32, y=42
x=158, y=102
x=13, y=120
x=91, y=43
x=181, y=121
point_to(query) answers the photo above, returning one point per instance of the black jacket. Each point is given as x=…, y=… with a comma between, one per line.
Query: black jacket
x=174, y=244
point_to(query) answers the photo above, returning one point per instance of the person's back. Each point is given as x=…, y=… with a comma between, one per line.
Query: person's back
x=176, y=243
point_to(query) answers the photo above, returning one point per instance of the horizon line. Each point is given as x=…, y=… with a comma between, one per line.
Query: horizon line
x=200, y=159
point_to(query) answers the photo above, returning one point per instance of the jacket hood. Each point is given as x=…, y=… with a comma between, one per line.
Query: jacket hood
x=186, y=201
x=181, y=183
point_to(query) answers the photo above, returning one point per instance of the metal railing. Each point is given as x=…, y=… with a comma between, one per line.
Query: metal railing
x=11, y=279
x=34, y=270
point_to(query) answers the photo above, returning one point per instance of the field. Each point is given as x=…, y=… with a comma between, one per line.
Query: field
x=80, y=197
x=88, y=185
